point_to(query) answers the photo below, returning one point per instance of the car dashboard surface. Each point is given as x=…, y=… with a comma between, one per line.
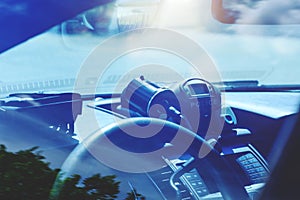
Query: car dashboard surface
x=253, y=131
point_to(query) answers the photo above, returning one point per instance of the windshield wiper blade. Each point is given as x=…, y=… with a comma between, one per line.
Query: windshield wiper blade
x=237, y=84
x=254, y=86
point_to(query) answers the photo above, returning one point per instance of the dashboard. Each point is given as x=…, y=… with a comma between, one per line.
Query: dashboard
x=245, y=143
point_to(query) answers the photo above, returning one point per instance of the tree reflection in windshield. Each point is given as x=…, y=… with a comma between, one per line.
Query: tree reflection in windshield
x=26, y=175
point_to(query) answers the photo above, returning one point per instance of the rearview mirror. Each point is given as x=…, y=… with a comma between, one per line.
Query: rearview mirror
x=264, y=12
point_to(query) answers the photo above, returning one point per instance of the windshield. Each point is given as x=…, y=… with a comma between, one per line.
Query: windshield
x=266, y=53
x=147, y=99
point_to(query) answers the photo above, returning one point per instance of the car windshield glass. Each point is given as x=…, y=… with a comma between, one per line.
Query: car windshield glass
x=148, y=99
x=266, y=53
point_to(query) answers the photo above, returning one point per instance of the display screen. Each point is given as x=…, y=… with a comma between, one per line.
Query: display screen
x=198, y=88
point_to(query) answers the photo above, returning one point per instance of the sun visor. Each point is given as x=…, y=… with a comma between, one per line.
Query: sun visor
x=23, y=19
